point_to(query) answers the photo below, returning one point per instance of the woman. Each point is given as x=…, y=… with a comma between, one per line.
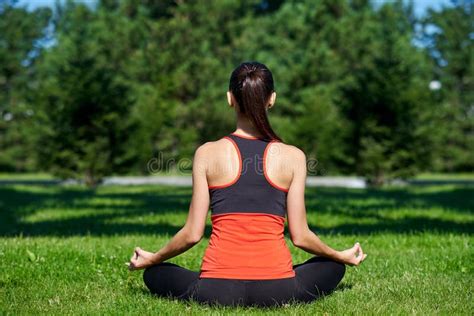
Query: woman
x=252, y=182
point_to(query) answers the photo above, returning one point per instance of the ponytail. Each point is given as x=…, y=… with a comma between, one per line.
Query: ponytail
x=252, y=85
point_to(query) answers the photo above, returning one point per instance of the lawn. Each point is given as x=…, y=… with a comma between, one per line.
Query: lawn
x=63, y=249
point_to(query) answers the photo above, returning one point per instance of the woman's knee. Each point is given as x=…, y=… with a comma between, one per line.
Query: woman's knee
x=323, y=272
x=340, y=269
x=337, y=269
x=148, y=274
x=152, y=274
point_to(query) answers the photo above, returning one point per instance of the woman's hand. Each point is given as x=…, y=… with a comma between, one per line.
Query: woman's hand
x=352, y=256
x=140, y=259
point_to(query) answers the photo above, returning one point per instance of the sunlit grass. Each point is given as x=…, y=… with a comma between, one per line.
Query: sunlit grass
x=25, y=176
x=63, y=249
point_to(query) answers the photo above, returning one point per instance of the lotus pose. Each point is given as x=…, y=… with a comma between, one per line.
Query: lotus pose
x=253, y=183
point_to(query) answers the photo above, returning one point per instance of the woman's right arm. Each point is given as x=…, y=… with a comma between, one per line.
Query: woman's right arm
x=301, y=236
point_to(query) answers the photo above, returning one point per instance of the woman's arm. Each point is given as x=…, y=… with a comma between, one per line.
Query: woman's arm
x=191, y=233
x=301, y=236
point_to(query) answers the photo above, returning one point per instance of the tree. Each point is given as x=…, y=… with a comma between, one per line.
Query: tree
x=20, y=32
x=353, y=89
x=387, y=101
x=449, y=34
x=178, y=74
x=85, y=98
x=127, y=81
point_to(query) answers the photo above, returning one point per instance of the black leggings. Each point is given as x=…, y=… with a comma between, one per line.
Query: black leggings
x=315, y=277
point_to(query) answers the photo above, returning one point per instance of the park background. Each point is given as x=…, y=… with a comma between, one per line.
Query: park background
x=376, y=89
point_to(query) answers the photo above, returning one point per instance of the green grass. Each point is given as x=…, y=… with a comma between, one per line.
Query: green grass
x=445, y=176
x=63, y=249
x=25, y=176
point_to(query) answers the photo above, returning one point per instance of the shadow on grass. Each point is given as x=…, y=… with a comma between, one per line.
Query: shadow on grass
x=68, y=211
x=343, y=287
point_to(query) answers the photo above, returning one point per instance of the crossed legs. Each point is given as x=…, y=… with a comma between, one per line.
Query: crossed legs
x=315, y=277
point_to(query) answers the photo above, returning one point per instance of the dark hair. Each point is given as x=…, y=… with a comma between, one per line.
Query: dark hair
x=251, y=83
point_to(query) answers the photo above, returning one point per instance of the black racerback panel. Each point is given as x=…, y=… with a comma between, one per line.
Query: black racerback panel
x=251, y=193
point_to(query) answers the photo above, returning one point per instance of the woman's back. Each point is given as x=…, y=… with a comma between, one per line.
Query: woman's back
x=248, y=208
x=223, y=162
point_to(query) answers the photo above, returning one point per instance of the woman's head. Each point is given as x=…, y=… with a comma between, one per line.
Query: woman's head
x=251, y=85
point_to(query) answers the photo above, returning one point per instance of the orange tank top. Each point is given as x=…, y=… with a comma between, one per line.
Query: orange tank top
x=248, y=218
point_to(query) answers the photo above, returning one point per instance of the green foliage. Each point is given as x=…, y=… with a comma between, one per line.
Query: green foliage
x=19, y=32
x=85, y=98
x=449, y=33
x=128, y=81
x=386, y=102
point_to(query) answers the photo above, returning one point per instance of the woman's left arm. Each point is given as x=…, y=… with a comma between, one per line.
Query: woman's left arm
x=193, y=230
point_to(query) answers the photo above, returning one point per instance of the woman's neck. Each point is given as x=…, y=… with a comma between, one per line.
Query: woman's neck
x=245, y=127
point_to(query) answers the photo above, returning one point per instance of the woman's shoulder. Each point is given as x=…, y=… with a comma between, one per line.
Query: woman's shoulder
x=220, y=146
x=212, y=148
x=288, y=151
